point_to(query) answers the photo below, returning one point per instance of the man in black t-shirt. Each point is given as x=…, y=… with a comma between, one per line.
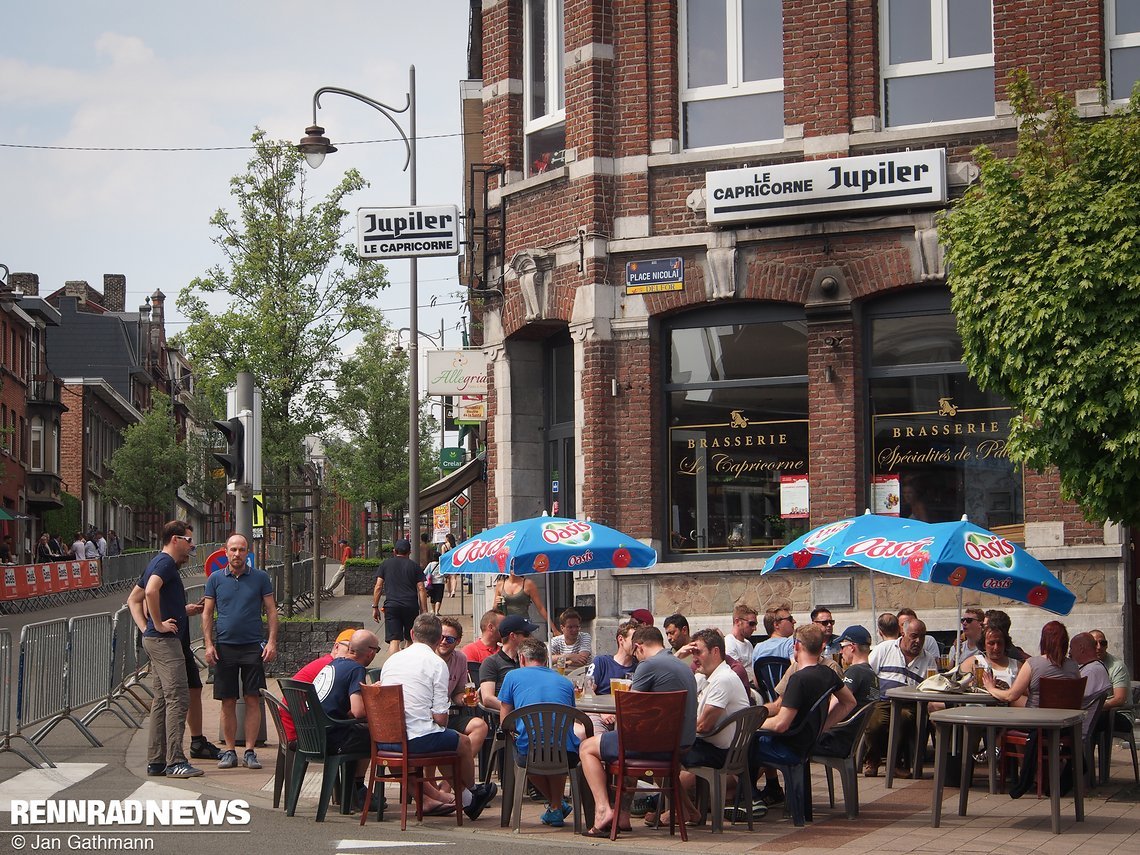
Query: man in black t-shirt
x=401, y=581
x=514, y=630
x=861, y=679
x=787, y=735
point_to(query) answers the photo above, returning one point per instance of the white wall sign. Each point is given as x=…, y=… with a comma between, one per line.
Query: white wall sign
x=407, y=232
x=899, y=179
x=456, y=372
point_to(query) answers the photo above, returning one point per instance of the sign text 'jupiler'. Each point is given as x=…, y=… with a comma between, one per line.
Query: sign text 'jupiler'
x=898, y=179
x=407, y=232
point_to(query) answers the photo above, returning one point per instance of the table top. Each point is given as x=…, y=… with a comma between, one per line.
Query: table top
x=909, y=693
x=595, y=704
x=1020, y=717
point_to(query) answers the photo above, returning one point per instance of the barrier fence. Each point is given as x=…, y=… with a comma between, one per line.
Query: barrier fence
x=6, y=734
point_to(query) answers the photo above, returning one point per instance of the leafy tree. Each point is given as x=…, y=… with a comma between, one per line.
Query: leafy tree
x=294, y=289
x=1044, y=267
x=150, y=465
x=368, y=445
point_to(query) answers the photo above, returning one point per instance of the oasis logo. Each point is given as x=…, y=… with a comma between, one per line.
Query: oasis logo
x=880, y=547
x=576, y=560
x=473, y=550
x=998, y=583
x=992, y=550
x=572, y=534
x=827, y=532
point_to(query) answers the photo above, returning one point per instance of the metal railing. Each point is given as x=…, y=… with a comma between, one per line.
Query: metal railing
x=6, y=734
x=44, y=674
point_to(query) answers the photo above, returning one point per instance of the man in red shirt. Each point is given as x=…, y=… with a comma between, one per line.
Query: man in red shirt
x=309, y=673
x=487, y=644
x=346, y=552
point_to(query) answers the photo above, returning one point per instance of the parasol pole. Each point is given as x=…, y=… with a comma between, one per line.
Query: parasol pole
x=874, y=611
x=958, y=625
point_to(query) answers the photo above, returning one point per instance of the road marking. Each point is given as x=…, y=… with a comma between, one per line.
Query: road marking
x=43, y=783
x=161, y=792
x=380, y=844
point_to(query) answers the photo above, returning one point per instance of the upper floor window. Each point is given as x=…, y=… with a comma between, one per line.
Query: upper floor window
x=37, y=445
x=544, y=85
x=732, y=71
x=1122, y=36
x=938, y=60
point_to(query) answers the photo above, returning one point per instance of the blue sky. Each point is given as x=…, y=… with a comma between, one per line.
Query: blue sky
x=122, y=73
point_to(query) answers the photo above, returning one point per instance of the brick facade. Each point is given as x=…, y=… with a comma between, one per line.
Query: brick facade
x=628, y=192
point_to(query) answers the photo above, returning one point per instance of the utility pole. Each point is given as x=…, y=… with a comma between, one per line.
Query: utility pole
x=243, y=495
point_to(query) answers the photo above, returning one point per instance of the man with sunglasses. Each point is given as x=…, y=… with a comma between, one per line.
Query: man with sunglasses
x=1122, y=719
x=461, y=717
x=971, y=641
x=822, y=618
x=781, y=626
x=738, y=643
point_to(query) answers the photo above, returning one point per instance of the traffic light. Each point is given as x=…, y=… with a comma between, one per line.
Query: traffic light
x=233, y=458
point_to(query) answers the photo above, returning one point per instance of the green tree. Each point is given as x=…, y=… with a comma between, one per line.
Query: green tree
x=368, y=443
x=293, y=289
x=150, y=465
x=1044, y=267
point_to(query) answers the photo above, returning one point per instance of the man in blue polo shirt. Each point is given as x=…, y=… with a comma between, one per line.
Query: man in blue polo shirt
x=234, y=645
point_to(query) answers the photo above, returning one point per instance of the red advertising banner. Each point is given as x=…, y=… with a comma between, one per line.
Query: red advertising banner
x=21, y=581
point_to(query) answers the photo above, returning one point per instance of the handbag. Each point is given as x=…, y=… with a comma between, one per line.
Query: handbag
x=950, y=682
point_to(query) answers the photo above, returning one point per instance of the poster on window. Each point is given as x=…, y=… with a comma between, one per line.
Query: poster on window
x=793, y=497
x=885, y=495
x=441, y=519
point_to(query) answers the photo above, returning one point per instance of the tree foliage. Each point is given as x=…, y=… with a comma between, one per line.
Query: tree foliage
x=1043, y=255
x=368, y=442
x=293, y=289
x=150, y=465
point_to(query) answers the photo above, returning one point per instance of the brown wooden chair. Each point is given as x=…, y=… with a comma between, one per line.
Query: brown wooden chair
x=649, y=725
x=1057, y=693
x=384, y=708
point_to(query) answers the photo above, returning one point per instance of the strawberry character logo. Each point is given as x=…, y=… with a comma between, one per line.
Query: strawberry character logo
x=1037, y=596
x=622, y=557
x=916, y=563
x=958, y=576
x=801, y=558
x=500, y=559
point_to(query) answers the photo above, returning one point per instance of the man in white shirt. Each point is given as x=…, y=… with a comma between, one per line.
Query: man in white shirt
x=930, y=645
x=426, y=703
x=720, y=693
x=737, y=643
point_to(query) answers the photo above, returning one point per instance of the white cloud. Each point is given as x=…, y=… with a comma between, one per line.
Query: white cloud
x=124, y=50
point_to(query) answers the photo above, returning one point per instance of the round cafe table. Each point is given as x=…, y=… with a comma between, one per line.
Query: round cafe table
x=902, y=695
x=598, y=704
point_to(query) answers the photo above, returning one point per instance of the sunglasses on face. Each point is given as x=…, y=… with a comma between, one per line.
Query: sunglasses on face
x=1102, y=643
x=969, y=620
x=448, y=639
x=786, y=617
x=826, y=622
x=750, y=622
x=188, y=538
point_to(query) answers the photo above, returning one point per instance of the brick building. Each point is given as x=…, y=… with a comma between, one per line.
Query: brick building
x=714, y=299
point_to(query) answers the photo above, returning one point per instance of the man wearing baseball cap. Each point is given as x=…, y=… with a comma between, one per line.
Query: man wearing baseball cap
x=309, y=672
x=401, y=581
x=513, y=630
x=642, y=616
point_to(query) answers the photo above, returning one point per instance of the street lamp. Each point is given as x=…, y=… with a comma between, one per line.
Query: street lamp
x=315, y=145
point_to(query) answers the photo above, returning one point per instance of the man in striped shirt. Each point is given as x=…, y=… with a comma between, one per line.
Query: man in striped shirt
x=574, y=644
x=904, y=663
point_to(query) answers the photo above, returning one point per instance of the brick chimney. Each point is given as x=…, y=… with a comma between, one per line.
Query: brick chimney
x=76, y=288
x=115, y=292
x=27, y=284
x=156, y=301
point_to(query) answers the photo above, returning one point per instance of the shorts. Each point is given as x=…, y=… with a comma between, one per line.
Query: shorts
x=349, y=739
x=398, y=622
x=702, y=753
x=462, y=717
x=608, y=747
x=440, y=742
x=435, y=593
x=235, y=660
x=767, y=750
x=193, y=676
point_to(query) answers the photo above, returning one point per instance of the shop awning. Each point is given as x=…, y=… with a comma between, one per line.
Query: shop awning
x=446, y=489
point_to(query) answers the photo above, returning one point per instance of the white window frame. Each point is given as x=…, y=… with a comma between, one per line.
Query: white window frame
x=940, y=60
x=36, y=430
x=555, y=68
x=736, y=84
x=1112, y=42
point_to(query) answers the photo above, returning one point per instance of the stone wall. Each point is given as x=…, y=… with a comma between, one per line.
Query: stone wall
x=299, y=642
x=359, y=577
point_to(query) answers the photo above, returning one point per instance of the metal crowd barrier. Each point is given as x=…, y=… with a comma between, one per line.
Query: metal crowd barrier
x=6, y=734
x=91, y=640
x=302, y=578
x=45, y=675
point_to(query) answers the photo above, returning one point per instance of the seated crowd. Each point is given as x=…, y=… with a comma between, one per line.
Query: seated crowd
x=809, y=679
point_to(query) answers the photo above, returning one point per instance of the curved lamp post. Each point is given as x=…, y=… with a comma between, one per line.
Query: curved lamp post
x=315, y=145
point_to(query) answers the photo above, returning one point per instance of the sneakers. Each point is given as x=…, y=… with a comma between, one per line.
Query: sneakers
x=183, y=770
x=770, y=795
x=481, y=796
x=740, y=814
x=250, y=760
x=566, y=808
x=203, y=749
x=553, y=817
x=227, y=760
x=641, y=805
x=533, y=794
x=156, y=770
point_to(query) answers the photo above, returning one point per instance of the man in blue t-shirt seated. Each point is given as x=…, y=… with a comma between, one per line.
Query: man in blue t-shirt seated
x=533, y=682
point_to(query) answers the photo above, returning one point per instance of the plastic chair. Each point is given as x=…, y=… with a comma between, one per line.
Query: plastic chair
x=547, y=726
x=313, y=725
x=1116, y=727
x=650, y=723
x=745, y=723
x=1059, y=693
x=384, y=709
x=580, y=671
x=853, y=727
x=286, y=753
x=769, y=670
x=797, y=782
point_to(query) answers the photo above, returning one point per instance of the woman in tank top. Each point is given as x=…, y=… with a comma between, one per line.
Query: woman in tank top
x=996, y=652
x=514, y=595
